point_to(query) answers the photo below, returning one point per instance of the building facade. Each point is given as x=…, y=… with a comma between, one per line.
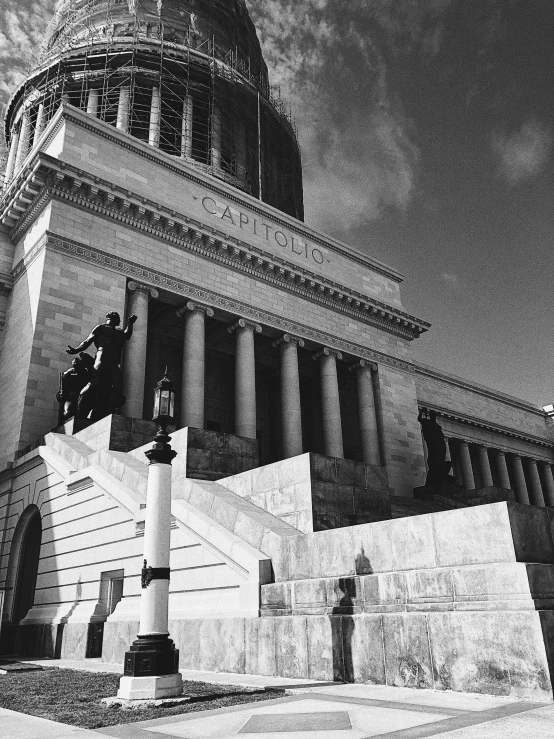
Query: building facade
x=151, y=171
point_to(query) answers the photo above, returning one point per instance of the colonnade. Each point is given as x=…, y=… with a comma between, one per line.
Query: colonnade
x=27, y=132
x=532, y=480
x=245, y=331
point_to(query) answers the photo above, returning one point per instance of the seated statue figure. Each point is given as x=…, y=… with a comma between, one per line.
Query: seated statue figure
x=104, y=392
x=437, y=466
x=72, y=381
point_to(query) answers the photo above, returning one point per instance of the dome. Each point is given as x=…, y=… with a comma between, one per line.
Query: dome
x=185, y=76
x=225, y=24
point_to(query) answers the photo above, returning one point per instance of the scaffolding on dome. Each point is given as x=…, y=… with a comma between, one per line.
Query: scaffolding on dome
x=216, y=108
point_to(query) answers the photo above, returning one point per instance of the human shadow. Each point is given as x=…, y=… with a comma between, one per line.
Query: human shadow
x=343, y=623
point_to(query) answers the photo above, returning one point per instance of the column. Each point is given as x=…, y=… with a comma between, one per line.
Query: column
x=39, y=125
x=240, y=150
x=548, y=483
x=369, y=432
x=520, y=485
x=216, y=138
x=194, y=364
x=535, y=487
x=291, y=415
x=124, y=108
x=485, y=467
x=502, y=469
x=186, y=133
x=332, y=426
x=135, y=351
x=14, y=143
x=245, y=378
x=155, y=117
x=466, y=467
x=24, y=140
x=92, y=105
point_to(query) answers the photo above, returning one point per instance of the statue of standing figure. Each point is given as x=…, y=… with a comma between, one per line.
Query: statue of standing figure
x=437, y=466
x=103, y=394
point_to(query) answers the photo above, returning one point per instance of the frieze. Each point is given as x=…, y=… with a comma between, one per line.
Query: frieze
x=161, y=280
x=155, y=155
x=242, y=257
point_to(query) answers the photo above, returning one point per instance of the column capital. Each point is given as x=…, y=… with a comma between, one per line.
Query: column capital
x=289, y=339
x=363, y=364
x=132, y=286
x=244, y=323
x=327, y=352
x=192, y=306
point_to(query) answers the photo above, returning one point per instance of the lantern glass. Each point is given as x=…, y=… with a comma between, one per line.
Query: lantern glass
x=157, y=397
x=164, y=400
x=164, y=403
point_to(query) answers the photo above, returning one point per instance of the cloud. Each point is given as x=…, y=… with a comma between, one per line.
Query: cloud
x=452, y=279
x=360, y=155
x=523, y=154
x=23, y=25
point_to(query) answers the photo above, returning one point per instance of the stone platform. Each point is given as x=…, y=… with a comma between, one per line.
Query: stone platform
x=210, y=455
x=461, y=600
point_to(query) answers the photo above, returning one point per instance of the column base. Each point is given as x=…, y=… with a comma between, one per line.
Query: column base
x=151, y=687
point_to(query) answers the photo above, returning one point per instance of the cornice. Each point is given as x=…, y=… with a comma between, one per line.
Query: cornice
x=495, y=428
x=69, y=184
x=18, y=201
x=207, y=297
x=472, y=387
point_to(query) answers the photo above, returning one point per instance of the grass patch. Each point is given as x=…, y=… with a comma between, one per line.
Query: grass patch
x=73, y=697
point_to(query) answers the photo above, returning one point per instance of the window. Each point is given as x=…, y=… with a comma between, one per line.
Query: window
x=111, y=589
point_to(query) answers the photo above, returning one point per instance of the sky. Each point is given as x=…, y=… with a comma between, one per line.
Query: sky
x=427, y=137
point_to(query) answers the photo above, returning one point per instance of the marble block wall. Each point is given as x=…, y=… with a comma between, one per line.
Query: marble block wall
x=313, y=492
x=415, y=607
x=204, y=455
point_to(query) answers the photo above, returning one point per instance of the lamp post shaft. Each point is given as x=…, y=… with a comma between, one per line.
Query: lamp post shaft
x=157, y=530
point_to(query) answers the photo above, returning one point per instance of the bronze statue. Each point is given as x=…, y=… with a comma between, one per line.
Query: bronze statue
x=104, y=392
x=437, y=466
x=72, y=381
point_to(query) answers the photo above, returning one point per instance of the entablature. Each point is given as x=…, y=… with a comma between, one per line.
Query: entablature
x=47, y=178
x=466, y=424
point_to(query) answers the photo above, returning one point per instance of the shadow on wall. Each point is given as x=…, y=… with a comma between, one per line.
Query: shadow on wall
x=343, y=624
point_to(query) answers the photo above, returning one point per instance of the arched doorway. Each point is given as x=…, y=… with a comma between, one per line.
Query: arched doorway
x=23, y=570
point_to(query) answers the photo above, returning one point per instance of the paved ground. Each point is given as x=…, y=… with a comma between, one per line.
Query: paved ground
x=317, y=711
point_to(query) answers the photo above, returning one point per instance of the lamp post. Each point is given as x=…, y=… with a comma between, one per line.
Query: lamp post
x=151, y=668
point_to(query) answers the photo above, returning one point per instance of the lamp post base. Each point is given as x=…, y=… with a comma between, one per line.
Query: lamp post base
x=150, y=656
x=150, y=688
x=151, y=669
